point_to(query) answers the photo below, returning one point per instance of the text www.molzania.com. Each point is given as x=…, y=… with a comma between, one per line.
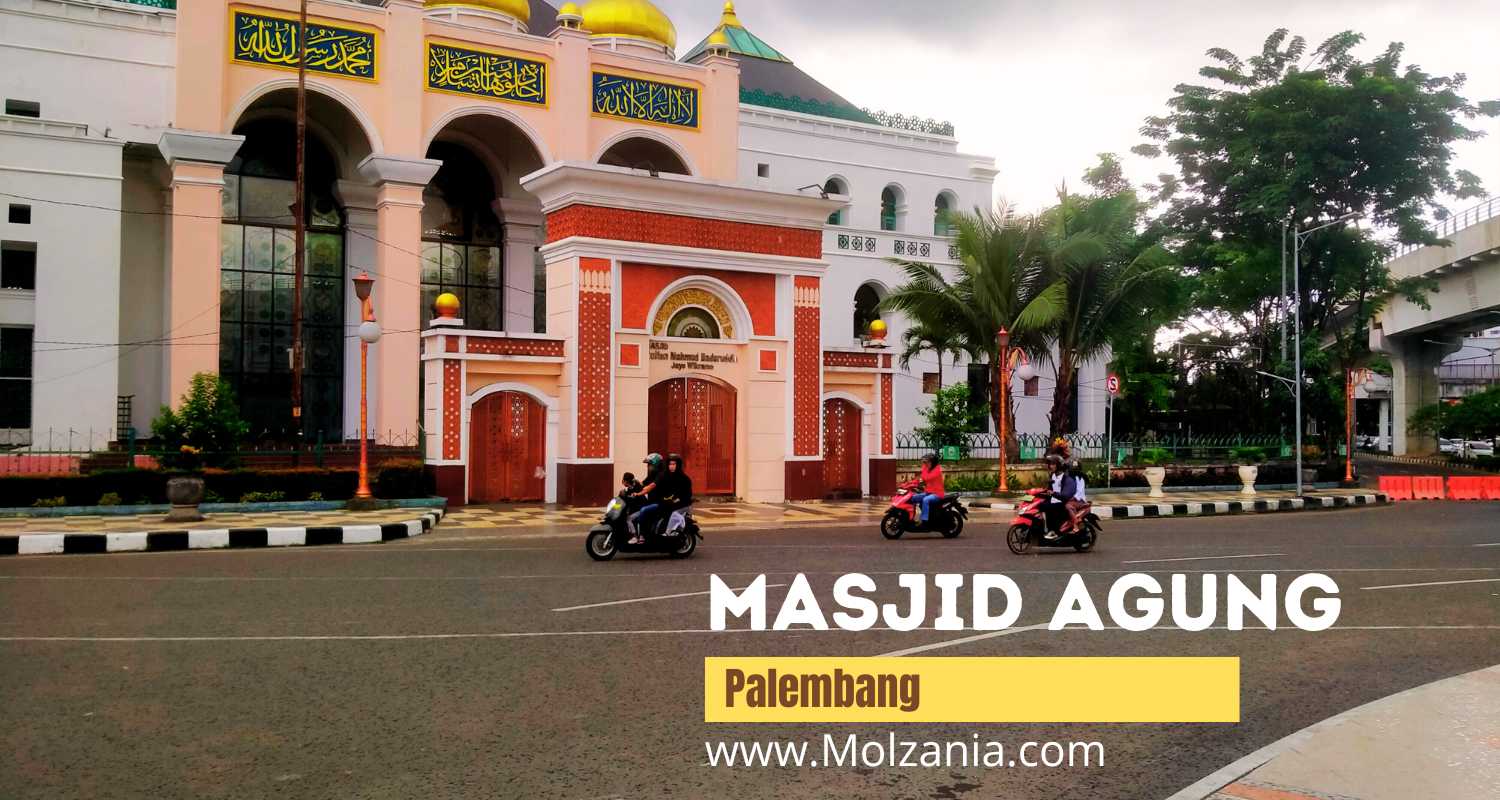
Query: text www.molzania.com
x=853, y=751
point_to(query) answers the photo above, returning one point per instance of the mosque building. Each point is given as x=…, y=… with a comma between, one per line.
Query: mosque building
x=584, y=246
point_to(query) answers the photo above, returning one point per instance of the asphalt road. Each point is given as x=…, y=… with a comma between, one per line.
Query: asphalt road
x=440, y=668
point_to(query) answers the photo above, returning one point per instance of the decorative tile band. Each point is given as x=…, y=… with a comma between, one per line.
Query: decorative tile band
x=485, y=73
x=834, y=358
x=630, y=225
x=270, y=40
x=515, y=347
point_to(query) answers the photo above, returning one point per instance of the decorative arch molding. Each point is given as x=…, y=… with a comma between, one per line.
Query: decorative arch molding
x=538, y=143
x=706, y=378
x=641, y=133
x=866, y=407
x=349, y=104
x=712, y=295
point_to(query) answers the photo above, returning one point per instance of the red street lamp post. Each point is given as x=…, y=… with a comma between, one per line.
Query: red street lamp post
x=1002, y=374
x=369, y=333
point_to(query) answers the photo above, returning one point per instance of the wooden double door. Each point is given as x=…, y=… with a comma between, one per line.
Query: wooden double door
x=695, y=418
x=507, y=449
x=843, y=424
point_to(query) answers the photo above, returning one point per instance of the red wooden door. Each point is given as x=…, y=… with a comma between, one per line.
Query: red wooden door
x=507, y=449
x=843, y=422
x=696, y=419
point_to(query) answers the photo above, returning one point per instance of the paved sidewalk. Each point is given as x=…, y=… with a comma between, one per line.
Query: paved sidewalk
x=868, y=511
x=1435, y=742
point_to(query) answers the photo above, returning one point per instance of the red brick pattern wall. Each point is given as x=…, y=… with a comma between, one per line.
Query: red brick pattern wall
x=833, y=358
x=641, y=284
x=453, y=402
x=629, y=225
x=807, y=378
x=515, y=347
x=594, y=299
x=887, y=413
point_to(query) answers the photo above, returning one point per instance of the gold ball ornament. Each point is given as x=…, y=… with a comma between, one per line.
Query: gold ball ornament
x=877, y=330
x=446, y=305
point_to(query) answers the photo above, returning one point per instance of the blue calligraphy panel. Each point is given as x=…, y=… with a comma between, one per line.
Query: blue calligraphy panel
x=647, y=101
x=272, y=42
x=493, y=75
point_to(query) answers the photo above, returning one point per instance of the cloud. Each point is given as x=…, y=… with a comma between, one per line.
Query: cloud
x=1044, y=87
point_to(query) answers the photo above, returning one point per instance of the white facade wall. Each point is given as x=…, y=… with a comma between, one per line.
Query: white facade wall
x=76, y=303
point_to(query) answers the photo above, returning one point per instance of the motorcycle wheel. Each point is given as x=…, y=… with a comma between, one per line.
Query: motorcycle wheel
x=955, y=527
x=599, y=546
x=1018, y=539
x=891, y=527
x=687, y=546
x=1085, y=541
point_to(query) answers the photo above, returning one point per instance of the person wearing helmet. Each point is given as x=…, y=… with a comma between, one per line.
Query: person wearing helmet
x=655, y=469
x=1064, y=488
x=932, y=485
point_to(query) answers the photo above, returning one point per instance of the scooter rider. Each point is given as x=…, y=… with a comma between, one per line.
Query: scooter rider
x=1064, y=488
x=932, y=485
x=655, y=469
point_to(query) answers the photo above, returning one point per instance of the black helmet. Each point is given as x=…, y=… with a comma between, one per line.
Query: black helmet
x=932, y=458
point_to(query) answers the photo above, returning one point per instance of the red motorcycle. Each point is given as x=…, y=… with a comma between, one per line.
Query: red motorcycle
x=1079, y=531
x=904, y=515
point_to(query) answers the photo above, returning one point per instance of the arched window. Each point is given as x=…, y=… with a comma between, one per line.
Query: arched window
x=866, y=298
x=693, y=323
x=257, y=266
x=942, y=210
x=639, y=152
x=890, y=199
x=836, y=186
x=461, y=238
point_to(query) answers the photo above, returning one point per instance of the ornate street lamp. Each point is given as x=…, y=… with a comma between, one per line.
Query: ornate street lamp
x=369, y=333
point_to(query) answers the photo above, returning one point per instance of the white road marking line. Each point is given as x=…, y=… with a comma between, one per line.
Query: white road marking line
x=1434, y=583
x=955, y=642
x=1201, y=558
x=649, y=599
x=656, y=632
x=1488, y=544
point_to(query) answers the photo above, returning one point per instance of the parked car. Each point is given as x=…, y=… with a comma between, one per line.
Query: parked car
x=1450, y=446
x=1480, y=447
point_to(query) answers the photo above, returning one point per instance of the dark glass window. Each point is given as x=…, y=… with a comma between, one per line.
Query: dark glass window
x=865, y=301
x=23, y=108
x=834, y=186
x=15, y=377
x=19, y=214
x=461, y=239
x=257, y=275
x=941, y=222
x=888, y=209
x=18, y=265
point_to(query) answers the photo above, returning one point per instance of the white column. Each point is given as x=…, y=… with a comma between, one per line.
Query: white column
x=522, y=219
x=360, y=201
x=1384, y=432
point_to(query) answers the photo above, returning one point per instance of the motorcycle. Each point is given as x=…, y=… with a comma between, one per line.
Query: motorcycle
x=904, y=516
x=611, y=535
x=1080, y=531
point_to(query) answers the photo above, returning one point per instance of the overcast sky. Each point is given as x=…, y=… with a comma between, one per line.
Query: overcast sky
x=1043, y=87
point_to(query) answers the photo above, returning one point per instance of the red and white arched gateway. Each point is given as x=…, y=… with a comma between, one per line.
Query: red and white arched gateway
x=683, y=316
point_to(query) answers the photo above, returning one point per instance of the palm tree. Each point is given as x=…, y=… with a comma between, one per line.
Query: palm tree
x=922, y=337
x=1003, y=281
x=1110, y=281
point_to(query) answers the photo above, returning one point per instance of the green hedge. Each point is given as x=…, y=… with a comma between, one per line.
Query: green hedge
x=393, y=480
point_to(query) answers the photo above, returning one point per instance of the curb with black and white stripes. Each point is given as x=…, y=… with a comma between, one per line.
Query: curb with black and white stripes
x=27, y=544
x=1221, y=507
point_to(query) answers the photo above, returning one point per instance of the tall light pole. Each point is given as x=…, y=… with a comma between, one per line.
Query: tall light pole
x=369, y=333
x=300, y=235
x=1002, y=370
x=1297, y=237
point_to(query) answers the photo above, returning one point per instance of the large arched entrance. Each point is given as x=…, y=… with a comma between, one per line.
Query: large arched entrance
x=696, y=418
x=507, y=449
x=843, y=422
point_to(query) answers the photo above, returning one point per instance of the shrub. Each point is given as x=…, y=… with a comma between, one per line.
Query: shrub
x=396, y=479
x=1247, y=455
x=206, y=427
x=399, y=479
x=315, y=496
x=50, y=502
x=262, y=497
x=109, y=499
x=1153, y=456
x=950, y=419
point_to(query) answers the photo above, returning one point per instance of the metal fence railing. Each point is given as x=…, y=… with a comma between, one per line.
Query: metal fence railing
x=1469, y=217
x=1092, y=446
x=54, y=452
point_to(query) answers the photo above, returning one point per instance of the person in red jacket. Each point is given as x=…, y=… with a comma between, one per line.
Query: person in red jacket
x=932, y=484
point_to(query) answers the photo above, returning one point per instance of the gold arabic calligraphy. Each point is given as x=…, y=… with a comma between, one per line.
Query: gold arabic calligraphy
x=486, y=74
x=635, y=98
x=273, y=41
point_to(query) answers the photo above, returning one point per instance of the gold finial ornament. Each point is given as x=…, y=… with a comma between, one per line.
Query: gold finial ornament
x=877, y=329
x=629, y=19
x=446, y=305
x=729, y=17
x=520, y=9
x=569, y=15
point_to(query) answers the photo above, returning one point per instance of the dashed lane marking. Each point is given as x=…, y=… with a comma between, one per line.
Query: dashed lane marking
x=649, y=599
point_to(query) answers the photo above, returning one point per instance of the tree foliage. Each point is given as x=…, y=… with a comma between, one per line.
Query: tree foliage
x=205, y=428
x=1474, y=417
x=950, y=419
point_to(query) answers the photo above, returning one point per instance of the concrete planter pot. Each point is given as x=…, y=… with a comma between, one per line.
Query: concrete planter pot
x=1155, y=476
x=185, y=494
x=1248, y=472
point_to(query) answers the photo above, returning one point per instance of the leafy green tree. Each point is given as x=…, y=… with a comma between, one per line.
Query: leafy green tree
x=950, y=419
x=921, y=337
x=1003, y=280
x=1474, y=417
x=1289, y=135
x=205, y=428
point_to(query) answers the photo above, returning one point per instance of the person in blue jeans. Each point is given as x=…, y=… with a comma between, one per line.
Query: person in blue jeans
x=652, y=489
x=932, y=485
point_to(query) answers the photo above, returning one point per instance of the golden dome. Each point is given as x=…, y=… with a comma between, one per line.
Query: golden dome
x=520, y=9
x=569, y=10
x=633, y=19
x=718, y=39
x=446, y=305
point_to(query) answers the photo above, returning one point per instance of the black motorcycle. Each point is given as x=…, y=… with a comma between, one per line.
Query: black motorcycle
x=612, y=536
x=903, y=516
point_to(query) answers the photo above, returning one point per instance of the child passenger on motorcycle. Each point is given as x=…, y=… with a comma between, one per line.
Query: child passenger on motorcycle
x=932, y=485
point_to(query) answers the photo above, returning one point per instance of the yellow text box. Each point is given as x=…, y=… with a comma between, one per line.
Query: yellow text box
x=971, y=689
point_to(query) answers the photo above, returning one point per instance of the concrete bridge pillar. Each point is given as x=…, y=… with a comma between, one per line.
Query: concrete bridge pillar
x=1414, y=384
